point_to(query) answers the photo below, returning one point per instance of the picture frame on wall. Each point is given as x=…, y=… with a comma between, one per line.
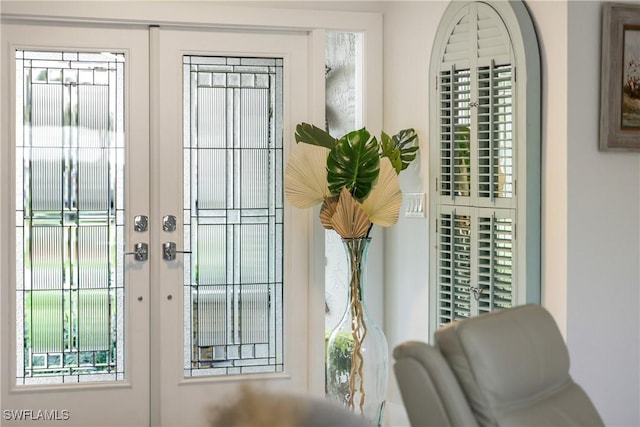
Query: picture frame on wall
x=620, y=77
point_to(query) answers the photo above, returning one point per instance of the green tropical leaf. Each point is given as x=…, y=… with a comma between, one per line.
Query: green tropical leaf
x=313, y=135
x=391, y=151
x=354, y=163
x=462, y=137
x=407, y=142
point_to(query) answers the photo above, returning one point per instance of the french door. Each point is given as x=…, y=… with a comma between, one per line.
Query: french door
x=155, y=260
x=235, y=296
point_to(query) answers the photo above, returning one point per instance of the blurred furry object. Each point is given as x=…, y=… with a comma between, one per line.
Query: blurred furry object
x=258, y=409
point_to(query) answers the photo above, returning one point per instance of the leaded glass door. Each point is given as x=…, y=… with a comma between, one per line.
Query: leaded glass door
x=75, y=302
x=236, y=300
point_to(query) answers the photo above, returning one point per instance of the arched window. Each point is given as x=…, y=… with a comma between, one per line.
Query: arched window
x=484, y=161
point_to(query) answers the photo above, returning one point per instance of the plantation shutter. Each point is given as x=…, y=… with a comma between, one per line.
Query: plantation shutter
x=475, y=149
x=475, y=261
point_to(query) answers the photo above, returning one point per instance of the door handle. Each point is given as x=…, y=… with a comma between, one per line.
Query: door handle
x=169, y=251
x=140, y=252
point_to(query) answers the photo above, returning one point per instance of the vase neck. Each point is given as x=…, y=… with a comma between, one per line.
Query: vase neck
x=356, y=250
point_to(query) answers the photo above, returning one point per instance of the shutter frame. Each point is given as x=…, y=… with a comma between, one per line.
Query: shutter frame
x=501, y=41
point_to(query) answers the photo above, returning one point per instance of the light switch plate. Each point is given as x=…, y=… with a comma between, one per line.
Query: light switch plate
x=415, y=205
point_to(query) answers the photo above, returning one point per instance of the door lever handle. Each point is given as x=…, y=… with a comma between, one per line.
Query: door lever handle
x=140, y=252
x=169, y=251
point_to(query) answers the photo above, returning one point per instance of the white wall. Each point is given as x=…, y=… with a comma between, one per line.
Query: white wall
x=590, y=206
x=409, y=30
x=603, y=249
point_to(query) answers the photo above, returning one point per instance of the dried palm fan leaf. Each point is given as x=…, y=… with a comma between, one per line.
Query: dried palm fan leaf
x=350, y=221
x=327, y=211
x=305, y=177
x=383, y=204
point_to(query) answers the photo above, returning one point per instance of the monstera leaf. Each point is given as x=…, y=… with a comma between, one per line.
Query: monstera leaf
x=354, y=163
x=310, y=134
x=405, y=141
x=400, y=149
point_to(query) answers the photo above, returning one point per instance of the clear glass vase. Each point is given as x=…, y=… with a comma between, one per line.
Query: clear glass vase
x=357, y=362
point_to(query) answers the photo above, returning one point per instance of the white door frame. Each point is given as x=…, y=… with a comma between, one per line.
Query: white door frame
x=216, y=15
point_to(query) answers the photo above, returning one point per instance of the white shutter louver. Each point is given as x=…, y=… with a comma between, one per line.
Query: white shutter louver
x=454, y=133
x=495, y=262
x=492, y=38
x=475, y=261
x=479, y=36
x=495, y=132
x=454, y=266
x=457, y=48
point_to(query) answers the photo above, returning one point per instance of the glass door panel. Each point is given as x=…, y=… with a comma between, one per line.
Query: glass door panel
x=69, y=212
x=233, y=210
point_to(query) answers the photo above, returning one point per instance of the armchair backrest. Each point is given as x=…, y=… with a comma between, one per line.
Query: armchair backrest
x=511, y=366
x=430, y=391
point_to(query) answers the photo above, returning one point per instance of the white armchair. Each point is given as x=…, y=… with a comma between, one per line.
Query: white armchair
x=506, y=368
